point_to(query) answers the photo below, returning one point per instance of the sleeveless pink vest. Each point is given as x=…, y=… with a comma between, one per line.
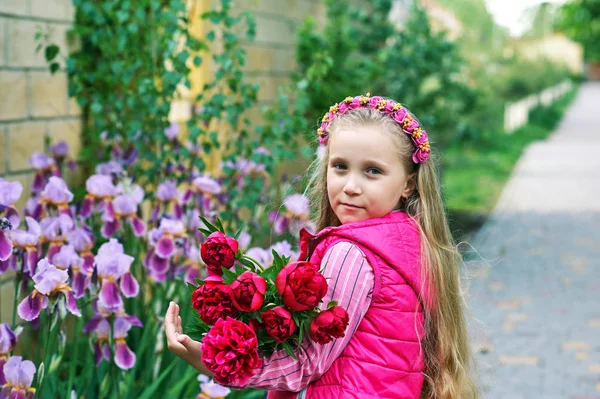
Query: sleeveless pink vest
x=384, y=358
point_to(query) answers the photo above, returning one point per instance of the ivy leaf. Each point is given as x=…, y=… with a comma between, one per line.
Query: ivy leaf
x=54, y=67
x=51, y=52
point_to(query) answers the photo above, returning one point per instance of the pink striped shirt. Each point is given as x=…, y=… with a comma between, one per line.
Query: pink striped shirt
x=351, y=281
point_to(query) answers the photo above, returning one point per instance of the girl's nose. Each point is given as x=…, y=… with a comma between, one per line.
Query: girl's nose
x=351, y=187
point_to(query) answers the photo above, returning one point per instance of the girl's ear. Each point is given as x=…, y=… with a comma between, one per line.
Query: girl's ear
x=411, y=184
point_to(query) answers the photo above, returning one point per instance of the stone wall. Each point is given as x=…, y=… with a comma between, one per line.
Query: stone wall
x=35, y=110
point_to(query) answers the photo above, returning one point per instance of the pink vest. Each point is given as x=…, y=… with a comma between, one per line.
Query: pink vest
x=384, y=358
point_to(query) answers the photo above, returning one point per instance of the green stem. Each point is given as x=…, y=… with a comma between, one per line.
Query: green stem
x=75, y=350
x=15, y=300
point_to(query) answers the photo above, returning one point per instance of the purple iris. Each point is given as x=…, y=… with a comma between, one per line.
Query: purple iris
x=244, y=240
x=66, y=259
x=167, y=193
x=131, y=189
x=280, y=222
x=8, y=340
x=6, y=246
x=57, y=193
x=49, y=281
x=210, y=389
x=283, y=248
x=297, y=206
x=125, y=208
x=100, y=326
x=40, y=161
x=169, y=238
x=113, y=266
x=204, y=188
x=193, y=266
x=44, y=166
x=19, y=377
x=109, y=168
x=28, y=242
x=10, y=192
x=172, y=131
x=262, y=256
x=60, y=149
x=82, y=239
x=100, y=188
x=54, y=230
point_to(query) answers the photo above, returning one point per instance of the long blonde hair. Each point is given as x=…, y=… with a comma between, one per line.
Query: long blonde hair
x=445, y=344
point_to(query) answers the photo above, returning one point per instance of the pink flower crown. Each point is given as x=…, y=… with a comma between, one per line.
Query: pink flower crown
x=398, y=113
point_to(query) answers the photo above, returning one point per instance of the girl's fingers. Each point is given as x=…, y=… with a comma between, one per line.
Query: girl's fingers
x=179, y=329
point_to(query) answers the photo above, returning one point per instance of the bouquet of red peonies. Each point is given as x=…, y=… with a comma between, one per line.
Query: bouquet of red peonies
x=245, y=311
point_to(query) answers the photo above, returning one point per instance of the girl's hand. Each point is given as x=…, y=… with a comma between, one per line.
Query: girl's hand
x=181, y=344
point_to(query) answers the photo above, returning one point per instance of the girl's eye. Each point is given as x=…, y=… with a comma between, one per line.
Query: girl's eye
x=339, y=166
x=374, y=171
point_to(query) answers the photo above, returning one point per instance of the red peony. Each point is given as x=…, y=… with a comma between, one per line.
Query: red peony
x=229, y=350
x=212, y=300
x=301, y=286
x=218, y=250
x=248, y=292
x=278, y=323
x=329, y=324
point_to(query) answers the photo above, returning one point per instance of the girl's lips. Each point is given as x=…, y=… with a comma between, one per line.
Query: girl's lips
x=351, y=206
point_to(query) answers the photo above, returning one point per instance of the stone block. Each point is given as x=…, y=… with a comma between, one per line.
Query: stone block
x=268, y=86
x=52, y=9
x=25, y=138
x=68, y=131
x=17, y=7
x=3, y=33
x=73, y=108
x=290, y=8
x=3, y=149
x=275, y=31
x=48, y=94
x=265, y=58
x=13, y=104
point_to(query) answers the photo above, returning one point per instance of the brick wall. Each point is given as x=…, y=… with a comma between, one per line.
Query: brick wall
x=34, y=105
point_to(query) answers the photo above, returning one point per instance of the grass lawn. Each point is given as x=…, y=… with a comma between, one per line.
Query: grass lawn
x=474, y=173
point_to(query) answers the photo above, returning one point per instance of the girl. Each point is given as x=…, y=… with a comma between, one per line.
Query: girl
x=386, y=250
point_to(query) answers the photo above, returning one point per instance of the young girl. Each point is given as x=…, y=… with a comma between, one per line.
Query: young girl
x=387, y=253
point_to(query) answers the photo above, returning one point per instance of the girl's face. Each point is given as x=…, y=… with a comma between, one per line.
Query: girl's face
x=365, y=176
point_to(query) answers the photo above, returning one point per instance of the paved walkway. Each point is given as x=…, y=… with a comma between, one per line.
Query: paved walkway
x=535, y=297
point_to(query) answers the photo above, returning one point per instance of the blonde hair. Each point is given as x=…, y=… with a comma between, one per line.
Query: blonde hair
x=445, y=344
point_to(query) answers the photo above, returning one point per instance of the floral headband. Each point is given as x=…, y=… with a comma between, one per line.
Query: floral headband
x=398, y=113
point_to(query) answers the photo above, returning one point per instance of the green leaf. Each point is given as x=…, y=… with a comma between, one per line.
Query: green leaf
x=191, y=288
x=51, y=52
x=149, y=392
x=331, y=304
x=228, y=276
x=300, y=334
x=220, y=226
x=296, y=319
x=54, y=67
x=289, y=350
x=197, y=60
x=208, y=225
